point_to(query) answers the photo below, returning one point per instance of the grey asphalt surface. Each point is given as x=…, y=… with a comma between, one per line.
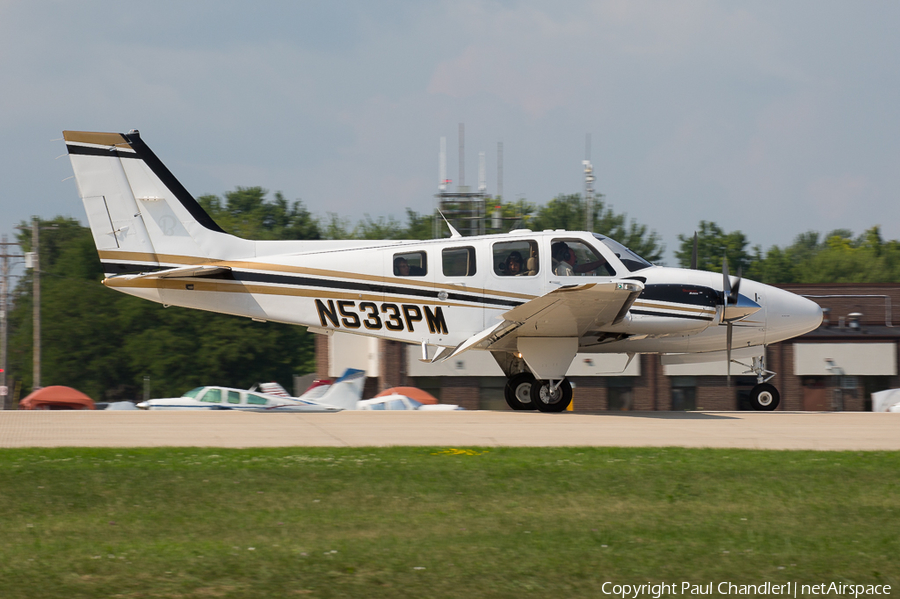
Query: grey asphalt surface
x=750, y=430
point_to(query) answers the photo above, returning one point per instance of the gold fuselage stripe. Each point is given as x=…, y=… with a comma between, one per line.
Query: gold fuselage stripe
x=315, y=272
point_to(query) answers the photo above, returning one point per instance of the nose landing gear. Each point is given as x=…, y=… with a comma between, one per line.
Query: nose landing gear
x=763, y=396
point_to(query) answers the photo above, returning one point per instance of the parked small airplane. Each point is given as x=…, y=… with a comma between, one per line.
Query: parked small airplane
x=532, y=299
x=886, y=401
x=396, y=401
x=343, y=394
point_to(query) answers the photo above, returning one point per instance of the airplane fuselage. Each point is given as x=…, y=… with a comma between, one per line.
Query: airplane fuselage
x=356, y=290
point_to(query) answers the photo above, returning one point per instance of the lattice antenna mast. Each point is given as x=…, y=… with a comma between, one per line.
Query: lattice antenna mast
x=588, y=186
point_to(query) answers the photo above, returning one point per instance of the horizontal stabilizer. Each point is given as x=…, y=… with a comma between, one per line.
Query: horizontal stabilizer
x=184, y=271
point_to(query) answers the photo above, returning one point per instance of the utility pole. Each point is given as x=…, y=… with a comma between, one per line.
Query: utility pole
x=5, y=257
x=36, y=277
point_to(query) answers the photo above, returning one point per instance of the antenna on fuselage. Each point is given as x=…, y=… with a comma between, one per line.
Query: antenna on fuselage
x=454, y=234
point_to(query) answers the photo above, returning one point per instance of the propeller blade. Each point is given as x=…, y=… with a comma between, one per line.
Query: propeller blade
x=734, y=290
x=694, y=253
x=726, y=281
x=728, y=336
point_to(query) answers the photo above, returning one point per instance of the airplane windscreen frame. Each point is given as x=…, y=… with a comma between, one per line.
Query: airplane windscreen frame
x=629, y=259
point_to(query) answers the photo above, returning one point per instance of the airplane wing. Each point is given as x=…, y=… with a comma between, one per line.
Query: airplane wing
x=565, y=312
x=204, y=270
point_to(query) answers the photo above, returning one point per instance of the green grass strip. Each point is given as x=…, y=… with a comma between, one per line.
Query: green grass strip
x=438, y=522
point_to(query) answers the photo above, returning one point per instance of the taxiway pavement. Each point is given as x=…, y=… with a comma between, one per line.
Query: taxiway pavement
x=750, y=430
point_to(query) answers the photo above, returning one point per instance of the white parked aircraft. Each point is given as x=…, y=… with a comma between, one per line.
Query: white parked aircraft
x=532, y=299
x=343, y=394
x=396, y=401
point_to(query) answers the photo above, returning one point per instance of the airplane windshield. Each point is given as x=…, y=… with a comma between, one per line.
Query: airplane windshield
x=632, y=261
x=193, y=392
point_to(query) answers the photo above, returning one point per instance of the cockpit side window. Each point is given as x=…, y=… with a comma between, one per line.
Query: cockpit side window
x=517, y=258
x=411, y=264
x=573, y=257
x=212, y=395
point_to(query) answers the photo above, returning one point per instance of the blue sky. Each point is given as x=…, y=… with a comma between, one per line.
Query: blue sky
x=773, y=118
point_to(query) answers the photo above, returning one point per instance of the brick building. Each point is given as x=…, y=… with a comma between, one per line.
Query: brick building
x=836, y=367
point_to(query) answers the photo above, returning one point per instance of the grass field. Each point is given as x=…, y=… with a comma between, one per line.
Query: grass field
x=419, y=522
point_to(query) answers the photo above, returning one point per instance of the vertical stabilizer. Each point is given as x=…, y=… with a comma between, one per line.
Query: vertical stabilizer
x=141, y=217
x=346, y=391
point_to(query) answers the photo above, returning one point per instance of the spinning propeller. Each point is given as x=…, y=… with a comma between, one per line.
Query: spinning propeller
x=735, y=307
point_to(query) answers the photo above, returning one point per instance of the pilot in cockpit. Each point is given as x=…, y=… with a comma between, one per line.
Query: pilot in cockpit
x=565, y=261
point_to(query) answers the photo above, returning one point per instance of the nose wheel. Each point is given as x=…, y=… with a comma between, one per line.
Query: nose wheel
x=764, y=397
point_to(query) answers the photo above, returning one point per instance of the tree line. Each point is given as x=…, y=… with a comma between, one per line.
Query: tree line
x=107, y=344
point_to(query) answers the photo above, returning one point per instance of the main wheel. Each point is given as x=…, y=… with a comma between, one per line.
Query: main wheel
x=518, y=391
x=546, y=399
x=764, y=397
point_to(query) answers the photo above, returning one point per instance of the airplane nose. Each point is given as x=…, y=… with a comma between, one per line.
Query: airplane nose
x=790, y=315
x=143, y=405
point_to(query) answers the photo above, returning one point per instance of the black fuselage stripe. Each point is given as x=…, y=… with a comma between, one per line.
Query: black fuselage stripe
x=308, y=282
x=693, y=295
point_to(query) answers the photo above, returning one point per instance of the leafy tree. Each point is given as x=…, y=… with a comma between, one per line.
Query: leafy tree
x=104, y=342
x=245, y=212
x=714, y=244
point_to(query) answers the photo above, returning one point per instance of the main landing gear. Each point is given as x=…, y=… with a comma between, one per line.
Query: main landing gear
x=524, y=392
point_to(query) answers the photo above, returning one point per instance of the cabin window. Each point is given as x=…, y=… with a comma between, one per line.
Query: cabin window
x=395, y=404
x=234, y=397
x=212, y=395
x=574, y=258
x=411, y=264
x=458, y=262
x=256, y=400
x=516, y=258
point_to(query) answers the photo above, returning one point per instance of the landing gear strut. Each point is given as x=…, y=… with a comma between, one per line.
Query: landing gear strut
x=551, y=396
x=518, y=391
x=763, y=396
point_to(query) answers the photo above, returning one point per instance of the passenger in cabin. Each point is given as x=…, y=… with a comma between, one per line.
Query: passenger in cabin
x=565, y=262
x=401, y=267
x=513, y=264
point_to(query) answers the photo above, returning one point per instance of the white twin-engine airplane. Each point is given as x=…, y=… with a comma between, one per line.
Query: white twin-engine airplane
x=532, y=299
